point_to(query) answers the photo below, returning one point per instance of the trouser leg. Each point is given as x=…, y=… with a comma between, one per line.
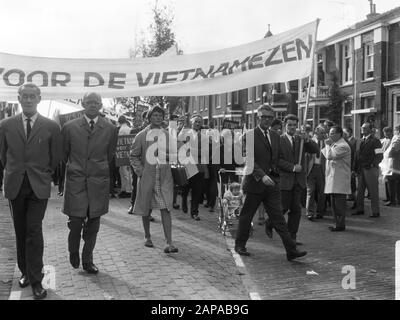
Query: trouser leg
x=89, y=235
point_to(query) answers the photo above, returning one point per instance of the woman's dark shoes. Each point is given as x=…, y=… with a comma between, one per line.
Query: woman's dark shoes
x=148, y=243
x=38, y=291
x=23, y=281
x=90, y=268
x=175, y=206
x=295, y=254
x=74, y=260
x=334, y=229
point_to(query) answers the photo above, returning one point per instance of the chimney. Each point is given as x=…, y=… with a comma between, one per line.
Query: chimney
x=372, y=9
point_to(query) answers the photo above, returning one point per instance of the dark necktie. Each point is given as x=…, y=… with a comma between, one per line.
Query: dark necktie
x=28, y=127
x=91, y=124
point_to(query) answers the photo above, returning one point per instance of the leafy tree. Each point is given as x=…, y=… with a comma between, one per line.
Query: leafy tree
x=336, y=100
x=161, y=39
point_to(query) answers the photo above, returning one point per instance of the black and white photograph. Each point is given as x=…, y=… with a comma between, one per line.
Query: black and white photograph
x=199, y=156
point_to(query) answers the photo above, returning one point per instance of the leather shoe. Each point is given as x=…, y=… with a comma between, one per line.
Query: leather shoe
x=90, y=268
x=38, y=291
x=242, y=251
x=295, y=254
x=375, y=215
x=358, y=213
x=196, y=217
x=130, y=210
x=74, y=260
x=311, y=218
x=389, y=204
x=269, y=229
x=298, y=243
x=23, y=281
x=175, y=206
x=336, y=229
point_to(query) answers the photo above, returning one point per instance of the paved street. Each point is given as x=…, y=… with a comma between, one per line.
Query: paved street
x=205, y=267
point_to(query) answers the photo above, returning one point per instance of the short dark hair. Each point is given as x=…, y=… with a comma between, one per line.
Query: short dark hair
x=338, y=129
x=329, y=123
x=173, y=117
x=397, y=128
x=122, y=119
x=291, y=116
x=153, y=109
x=276, y=122
x=387, y=129
x=264, y=107
x=349, y=129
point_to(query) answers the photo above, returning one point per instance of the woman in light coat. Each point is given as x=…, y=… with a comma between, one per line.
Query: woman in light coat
x=337, y=174
x=155, y=184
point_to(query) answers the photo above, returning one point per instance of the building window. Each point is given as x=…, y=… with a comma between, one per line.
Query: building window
x=367, y=102
x=346, y=64
x=368, y=60
x=348, y=106
x=217, y=101
x=321, y=73
x=236, y=97
x=201, y=103
x=258, y=93
x=229, y=98
x=397, y=103
x=250, y=94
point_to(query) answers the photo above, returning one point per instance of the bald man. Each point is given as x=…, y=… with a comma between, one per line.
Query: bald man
x=89, y=144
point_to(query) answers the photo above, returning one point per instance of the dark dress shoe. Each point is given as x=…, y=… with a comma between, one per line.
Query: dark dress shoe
x=334, y=229
x=389, y=204
x=298, y=243
x=130, y=210
x=38, y=291
x=60, y=194
x=358, y=213
x=242, y=251
x=375, y=215
x=90, y=268
x=295, y=254
x=196, y=217
x=23, y=281
x=311, y=217
x=74, y=260
x=269, y=229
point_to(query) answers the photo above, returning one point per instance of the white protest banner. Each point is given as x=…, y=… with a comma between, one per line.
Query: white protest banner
x=280, y=58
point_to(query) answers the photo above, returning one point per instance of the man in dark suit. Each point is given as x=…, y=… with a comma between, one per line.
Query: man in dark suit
x=368, y=156
x=30, y=149
x=261, y=184
x=293, y=174
x=89, y=144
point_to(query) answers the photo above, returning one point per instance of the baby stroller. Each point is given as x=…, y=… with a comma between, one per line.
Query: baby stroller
x=228, y=215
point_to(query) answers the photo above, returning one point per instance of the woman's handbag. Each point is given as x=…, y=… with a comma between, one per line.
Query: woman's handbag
x=179, y=175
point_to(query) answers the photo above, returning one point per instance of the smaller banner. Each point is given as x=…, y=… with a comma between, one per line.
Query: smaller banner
x=230, y=124
x=69, y=116
x=123, y=148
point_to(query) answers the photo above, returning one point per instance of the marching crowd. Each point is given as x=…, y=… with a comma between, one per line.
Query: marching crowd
x=290, y=168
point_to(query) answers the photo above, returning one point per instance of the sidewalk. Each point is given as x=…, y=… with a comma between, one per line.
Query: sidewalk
x=203, y=268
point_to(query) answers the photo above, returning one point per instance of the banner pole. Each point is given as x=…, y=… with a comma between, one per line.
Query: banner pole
x=309, y=90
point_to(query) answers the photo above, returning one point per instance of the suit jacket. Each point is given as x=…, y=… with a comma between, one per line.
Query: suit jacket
x=310, y=158
x=368, y=153
x=38, y=156
x=87, y=154
x=394, y=153
x=338, y=167
x=261, y=159
x=289, y=157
